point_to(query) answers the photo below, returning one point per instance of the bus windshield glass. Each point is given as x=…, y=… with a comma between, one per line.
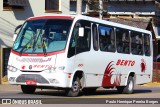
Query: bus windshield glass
x=42, y=36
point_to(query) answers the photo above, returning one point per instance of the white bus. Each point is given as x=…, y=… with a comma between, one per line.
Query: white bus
x=79, y=53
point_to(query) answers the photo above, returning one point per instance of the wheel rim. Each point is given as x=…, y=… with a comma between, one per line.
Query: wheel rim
x=75, y=86
x=130, y=86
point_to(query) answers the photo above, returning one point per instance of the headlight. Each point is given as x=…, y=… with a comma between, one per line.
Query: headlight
x=61, y=67
x=11, y=68
x=50, y=70
x=53, y=69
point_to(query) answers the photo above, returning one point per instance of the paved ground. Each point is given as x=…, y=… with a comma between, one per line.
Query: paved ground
x=144, y=91
x=148, y=91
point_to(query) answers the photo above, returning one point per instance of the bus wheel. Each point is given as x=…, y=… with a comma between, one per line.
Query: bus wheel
x=27, y=89
x=127, y=89
x=75, y=89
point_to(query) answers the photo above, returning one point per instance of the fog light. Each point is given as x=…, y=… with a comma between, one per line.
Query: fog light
x=11, y=68
x=54, y=81
x=11, y=79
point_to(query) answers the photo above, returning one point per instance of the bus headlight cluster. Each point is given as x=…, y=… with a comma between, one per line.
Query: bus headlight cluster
x=55, y=81
x=61, y=67
x=11, y=68
x=50, y=70
x=53, y=69
x=11, y=79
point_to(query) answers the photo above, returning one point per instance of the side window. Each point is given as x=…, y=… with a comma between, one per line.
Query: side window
x=83, y=43
x=80, y=44
x=106, y=38
x=122, y=41
x=137, y=43
x=72, y=44
x=147, y=45
x=95, y=37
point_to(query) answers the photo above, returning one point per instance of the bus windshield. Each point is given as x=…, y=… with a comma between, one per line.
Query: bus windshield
x=42, y=36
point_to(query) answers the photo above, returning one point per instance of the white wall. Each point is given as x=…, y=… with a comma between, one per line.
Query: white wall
x=10, y=19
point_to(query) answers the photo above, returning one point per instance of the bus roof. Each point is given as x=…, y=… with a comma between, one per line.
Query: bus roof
x=114, y=24
x=71, y=17
x=77, y=17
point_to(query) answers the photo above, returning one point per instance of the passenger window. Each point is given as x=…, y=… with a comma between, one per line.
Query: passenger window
x=122, y=41
x=147, y=45
x=95, y=37
x=80, y=44
x=83, y=43
x=106, y=38
x=137, y=43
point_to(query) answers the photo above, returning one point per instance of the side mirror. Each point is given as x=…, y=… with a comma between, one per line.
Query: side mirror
x=15, y=32
x=14, y=36
x=81, y=31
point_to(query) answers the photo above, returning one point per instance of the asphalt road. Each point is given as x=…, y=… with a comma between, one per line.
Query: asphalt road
x=139, y=92
x=100, y=97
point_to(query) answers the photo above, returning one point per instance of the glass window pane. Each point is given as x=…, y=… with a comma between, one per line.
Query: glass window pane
x=137, y=43
x=106, y=38
x=147, y=45
x=95, y=37
x=43, y=34
x=80, y=44
x=122, y=41
x=51, y=4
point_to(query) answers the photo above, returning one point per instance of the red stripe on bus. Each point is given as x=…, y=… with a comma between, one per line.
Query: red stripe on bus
x=51, y=17
x=40, y=54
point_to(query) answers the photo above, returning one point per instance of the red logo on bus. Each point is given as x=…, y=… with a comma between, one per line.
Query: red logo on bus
x=111, y=77
x=23, y=67
x=143, y=65
x=125, y=62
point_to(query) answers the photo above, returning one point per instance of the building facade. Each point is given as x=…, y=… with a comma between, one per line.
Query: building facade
x=138, y=13
x=15, y=12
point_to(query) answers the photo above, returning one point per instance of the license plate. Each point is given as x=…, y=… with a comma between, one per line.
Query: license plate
x=31, y=82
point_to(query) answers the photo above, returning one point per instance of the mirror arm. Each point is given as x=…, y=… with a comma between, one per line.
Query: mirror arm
x=19, y=26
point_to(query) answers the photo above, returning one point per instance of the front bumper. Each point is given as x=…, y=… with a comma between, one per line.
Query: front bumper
x=57, y=79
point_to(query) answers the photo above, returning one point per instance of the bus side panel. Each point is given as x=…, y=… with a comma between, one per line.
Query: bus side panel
x=112, y=69
x=145, y=73
x=117, y=66
x=125, y=64
x=89, y=63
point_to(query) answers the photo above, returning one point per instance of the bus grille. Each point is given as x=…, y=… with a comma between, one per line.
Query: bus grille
x=36, y=77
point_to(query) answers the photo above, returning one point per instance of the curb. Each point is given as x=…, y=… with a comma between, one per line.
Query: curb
x=152, y=84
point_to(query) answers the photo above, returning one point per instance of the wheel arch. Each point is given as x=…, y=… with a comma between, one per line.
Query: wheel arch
x=81, y=75
x=132, y=74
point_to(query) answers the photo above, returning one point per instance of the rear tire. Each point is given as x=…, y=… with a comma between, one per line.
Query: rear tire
x=128, y=89
x=27, y=89
x=75, y=89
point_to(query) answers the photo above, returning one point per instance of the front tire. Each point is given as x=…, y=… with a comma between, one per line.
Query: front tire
x=75, y=89
x=128, y=89
x=27, y=89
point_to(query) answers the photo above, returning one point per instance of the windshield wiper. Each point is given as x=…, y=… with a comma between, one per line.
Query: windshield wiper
x=24, y=47
x=42, y=39
x=36, y=39
x=40, y=35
